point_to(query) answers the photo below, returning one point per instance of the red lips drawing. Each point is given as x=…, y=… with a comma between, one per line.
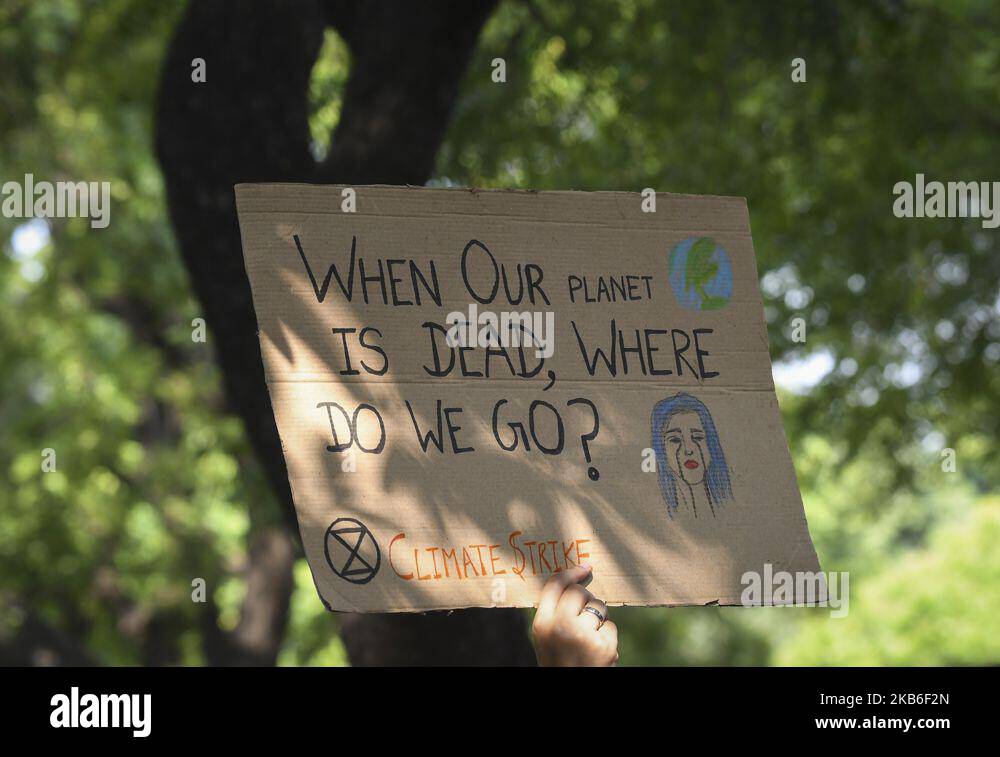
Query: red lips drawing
x=691, y=464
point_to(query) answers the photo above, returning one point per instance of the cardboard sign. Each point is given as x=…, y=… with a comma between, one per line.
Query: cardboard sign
x=476, y=389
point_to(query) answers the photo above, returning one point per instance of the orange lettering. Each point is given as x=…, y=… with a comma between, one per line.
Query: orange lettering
x=445, y=553
x=541, y=556
x=555, y=559
x=531, y=554
x=433, y=551
x=493, y=561
x=466, y=562
x=566, y=550
x=408, y=576
x=416, y=562
x=514, y=569
x=479, y=550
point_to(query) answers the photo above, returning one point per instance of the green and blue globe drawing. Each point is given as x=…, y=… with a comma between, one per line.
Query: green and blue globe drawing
x=700, y=274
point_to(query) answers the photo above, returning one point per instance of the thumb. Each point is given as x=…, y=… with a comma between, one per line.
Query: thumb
x=583, y=573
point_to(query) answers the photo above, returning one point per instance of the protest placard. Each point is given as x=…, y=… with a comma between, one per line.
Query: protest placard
x=476, y=389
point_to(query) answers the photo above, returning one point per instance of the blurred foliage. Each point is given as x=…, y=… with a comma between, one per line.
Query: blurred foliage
x=937, y=605
x=155, y=484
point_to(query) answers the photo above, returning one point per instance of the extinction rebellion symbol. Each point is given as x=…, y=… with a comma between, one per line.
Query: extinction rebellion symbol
x=351, y=551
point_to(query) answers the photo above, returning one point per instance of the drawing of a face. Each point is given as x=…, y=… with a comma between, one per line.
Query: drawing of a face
x=684, y=442
x=692, y=467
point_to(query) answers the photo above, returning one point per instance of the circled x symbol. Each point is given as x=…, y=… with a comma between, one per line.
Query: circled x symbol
x=351, y=551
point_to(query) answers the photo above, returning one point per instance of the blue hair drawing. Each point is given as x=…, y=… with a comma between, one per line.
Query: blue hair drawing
x=700, y=448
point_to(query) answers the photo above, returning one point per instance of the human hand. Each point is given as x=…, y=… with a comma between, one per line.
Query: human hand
x=565, y=633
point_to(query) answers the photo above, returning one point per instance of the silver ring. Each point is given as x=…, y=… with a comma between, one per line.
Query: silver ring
x=596, y=613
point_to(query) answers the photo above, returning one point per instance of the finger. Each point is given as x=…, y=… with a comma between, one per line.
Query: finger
x=572, y=602
x=548, y=600
x=591, y=619
x=608, y=633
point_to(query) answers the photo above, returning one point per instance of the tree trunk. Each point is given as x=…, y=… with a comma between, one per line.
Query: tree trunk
x=248, y=122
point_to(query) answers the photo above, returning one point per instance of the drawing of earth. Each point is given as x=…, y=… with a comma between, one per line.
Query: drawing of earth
x=700, y=274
